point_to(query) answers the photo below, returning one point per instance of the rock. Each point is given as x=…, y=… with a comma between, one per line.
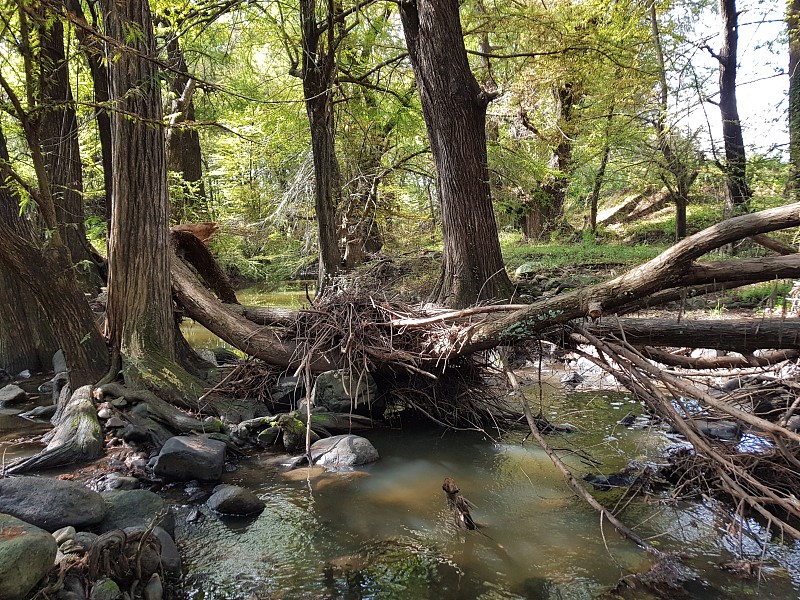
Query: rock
x=288, y=390
x=572, y=379
x=527, y=270
x=114, y=422
x=64, y=534
x=170, y=557
x=115, y=481
x=26, y=555
x=343, y=451
x=59, y=362
x=223, y=356
x=133, y=434
x=12, y=394
x=40, y=412
x=132, y=508
x=154, y=590
x=51, y=503
x=184, y=458
x=793, y=424
x=339, y=392
x=235, y=500
x=105, y=589
x=120, y=402
x=721, y=430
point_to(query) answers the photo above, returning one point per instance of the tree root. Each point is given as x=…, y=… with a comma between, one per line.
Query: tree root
x=77, y=437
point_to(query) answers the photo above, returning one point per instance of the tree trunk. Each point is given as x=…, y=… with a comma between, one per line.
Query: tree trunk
x=735, y=167
x=95, y=56
x=673, y=268
x=734, y=335
x=675, y=164
x=594, y=197
x=45, y=268
x=184, y=155
x=454, y=107
x=793, y=23
x=318, y=71
x=26, y=339
x=140, y=320
x=547, y=210
x=59, y=135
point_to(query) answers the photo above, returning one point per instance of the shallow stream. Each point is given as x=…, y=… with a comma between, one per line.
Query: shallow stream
x=384, y=531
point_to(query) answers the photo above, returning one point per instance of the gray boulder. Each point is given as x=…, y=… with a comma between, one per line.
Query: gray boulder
x=184, y=458
x=343, y=451
x=235, y=500
x=338, y=391
x=133, y=508
x=12, y=394
x=51, y=503
x=26, y=555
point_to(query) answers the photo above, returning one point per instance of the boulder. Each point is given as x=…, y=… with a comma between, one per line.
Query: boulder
x=133, y=508
x=343, y=451
x=105, y=589
x=721, y=430
x=184, y=458
x=26, y=555
x=235, y=500
x=12, y=394
x=341, y=391
x=528, y=270
x=51, y=503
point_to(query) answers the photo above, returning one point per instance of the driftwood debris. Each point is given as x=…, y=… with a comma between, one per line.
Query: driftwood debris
x=458, y=504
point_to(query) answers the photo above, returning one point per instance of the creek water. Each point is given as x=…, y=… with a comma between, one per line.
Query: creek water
x=383, y=531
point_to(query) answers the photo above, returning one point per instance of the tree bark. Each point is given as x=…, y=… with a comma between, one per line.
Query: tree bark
x=59, y=135
x=95, y=56
x=671, y=268
x=140, y=321
x=547, y=210
x=735, y=335
x=793, y=25
x=682, y=175
x=45, y=268
x=318, y=71
x=454, y=108
x=184, y=154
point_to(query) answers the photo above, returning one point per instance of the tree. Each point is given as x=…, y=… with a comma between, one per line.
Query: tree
x=735, y=166
x=58, y=131
x=41, y=262
x=793, y=23
x=454, y=107
x=140, y=323
x=676, y=165
x=319, y=44
x=184, y=155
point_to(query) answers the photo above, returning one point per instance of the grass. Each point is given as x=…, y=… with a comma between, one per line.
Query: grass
x=554, y=257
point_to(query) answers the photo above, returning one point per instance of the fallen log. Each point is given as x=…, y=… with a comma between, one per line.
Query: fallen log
x=734, y=361
x=665, y=271
x=735, y=335
x=77, y=437
x=239, y=332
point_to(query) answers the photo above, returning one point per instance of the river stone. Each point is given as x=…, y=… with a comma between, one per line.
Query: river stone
x=26, y=555
x=133, y=508
x=235, y=500
x=343, y=451
x=12, y=394
x=170, y=557
x=184, y=458
x=339, y=392
x=51, y=503
x=105, y=589
x=722, y=430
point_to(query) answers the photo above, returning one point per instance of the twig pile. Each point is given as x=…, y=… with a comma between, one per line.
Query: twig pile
x=762, y=479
